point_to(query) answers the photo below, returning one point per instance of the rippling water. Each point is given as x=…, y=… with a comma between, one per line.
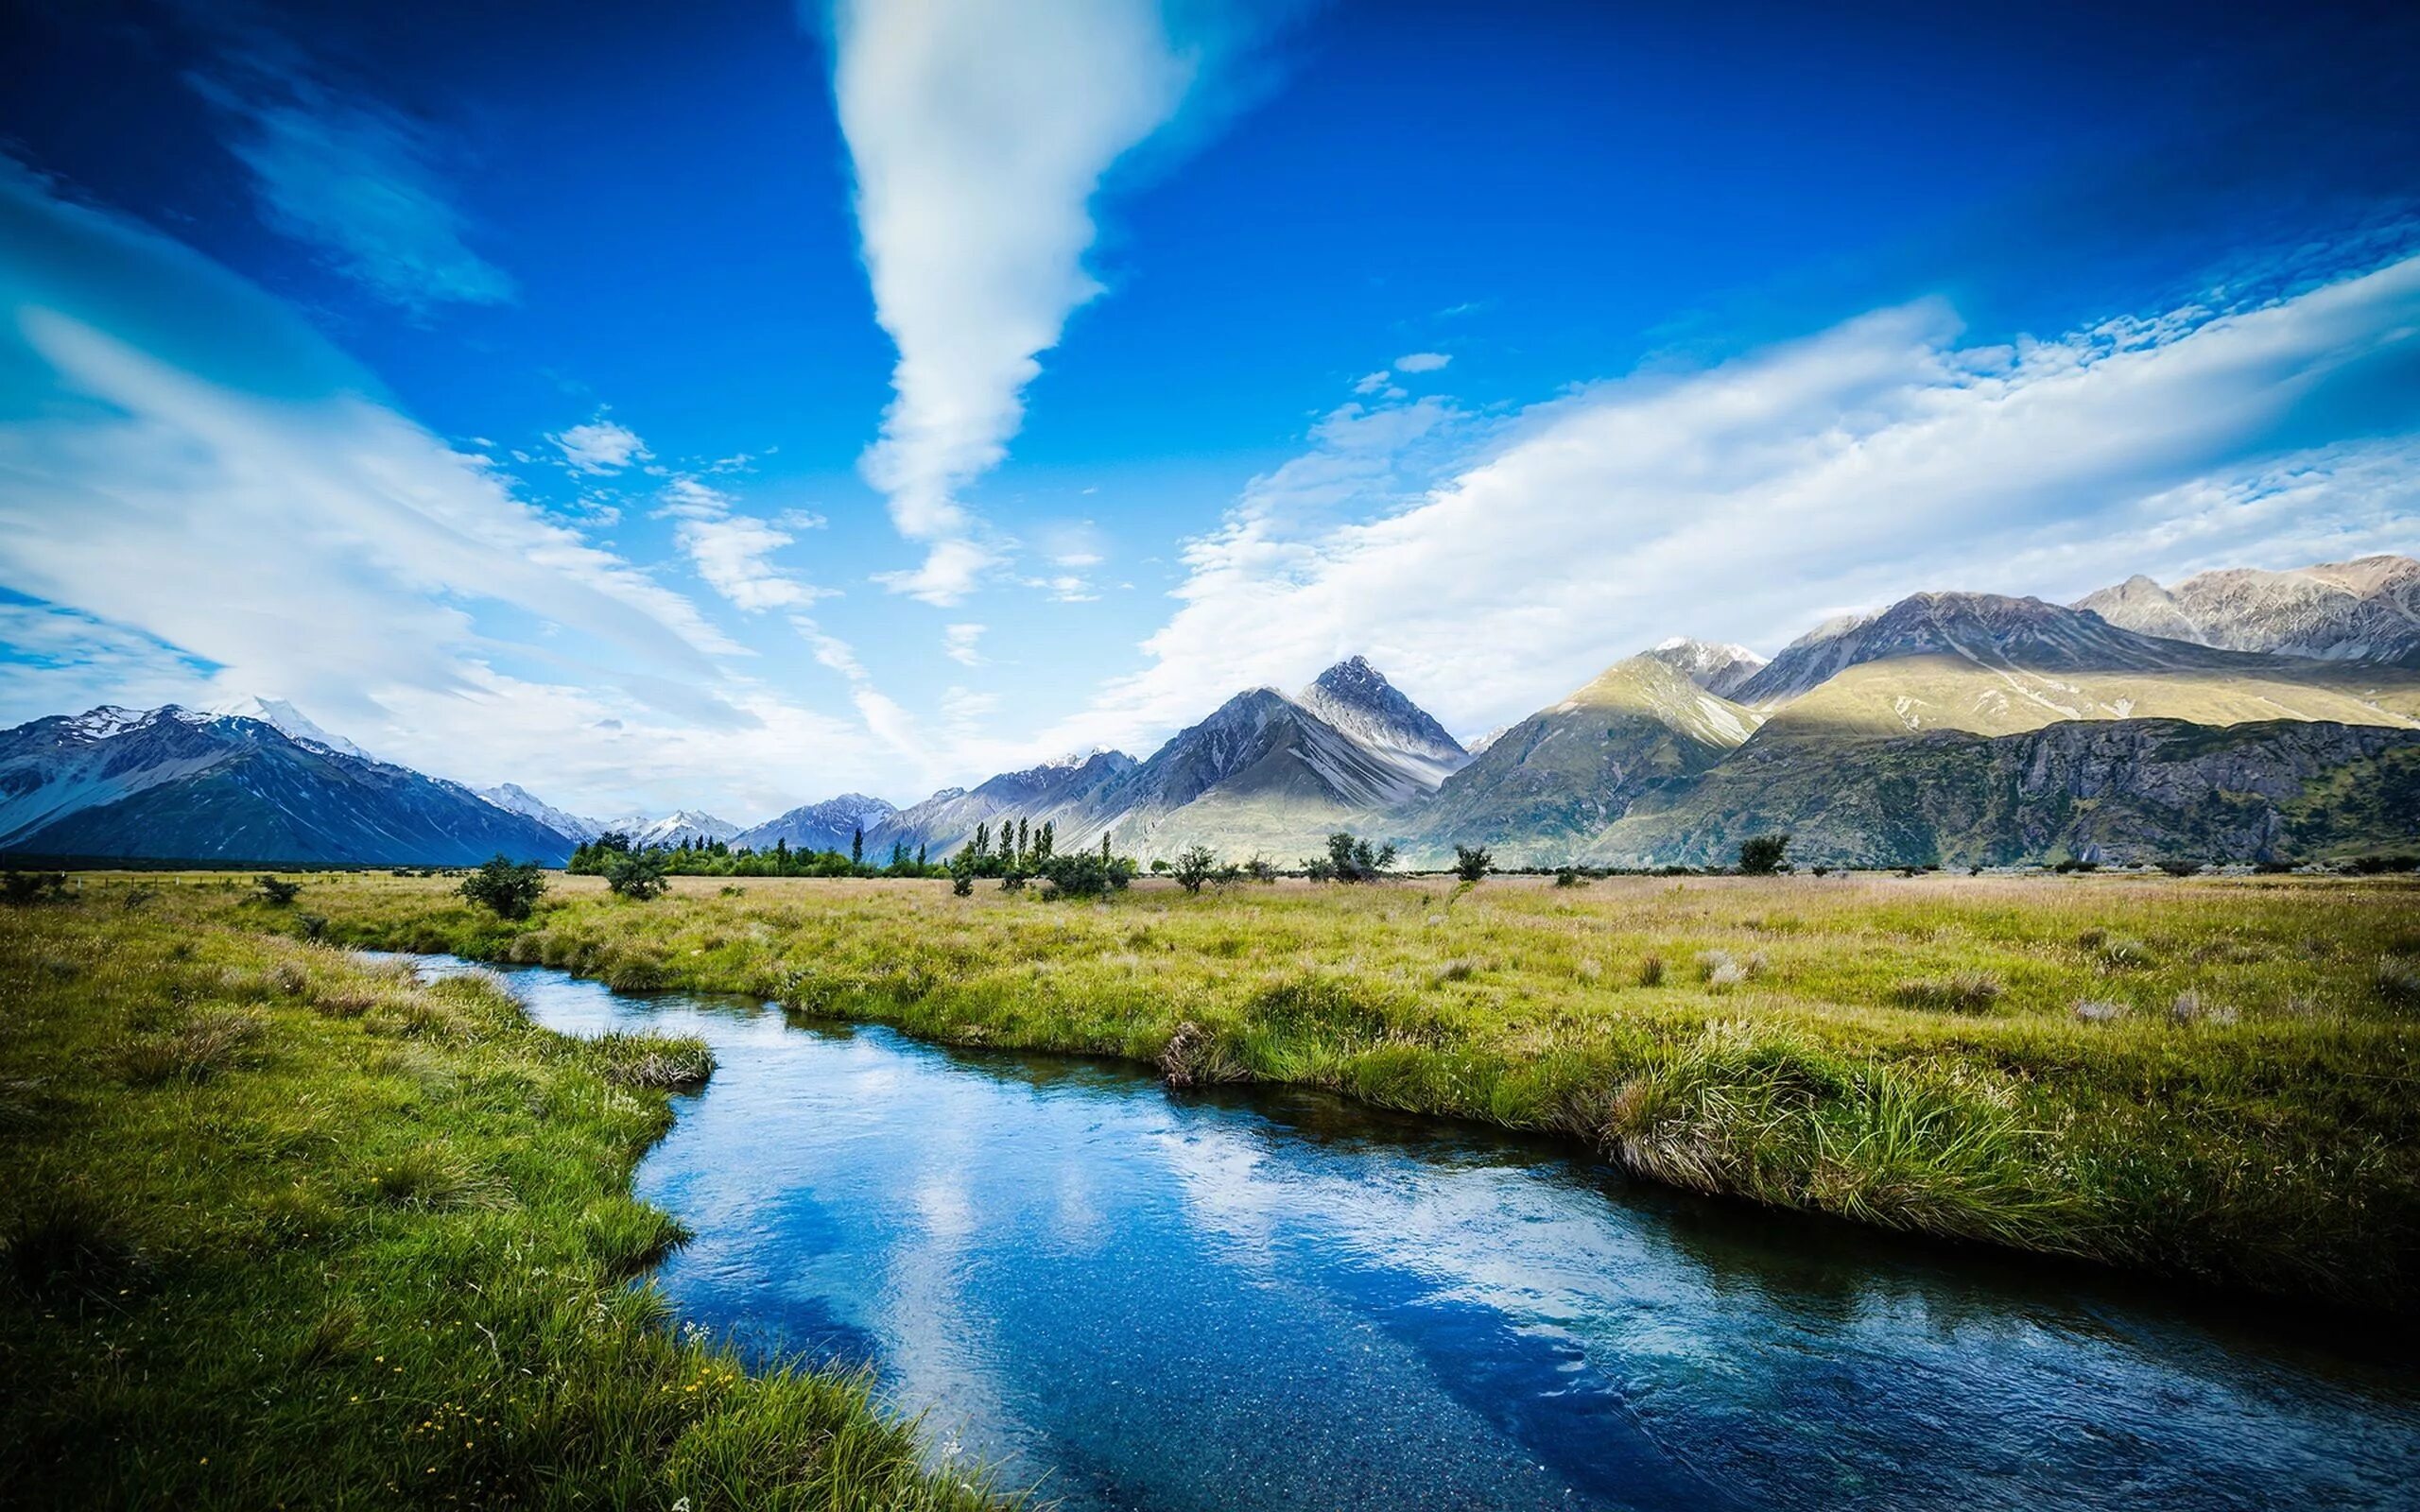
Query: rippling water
x=1138, y=1299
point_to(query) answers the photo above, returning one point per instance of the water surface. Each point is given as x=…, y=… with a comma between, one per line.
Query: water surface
x=1138, y=1299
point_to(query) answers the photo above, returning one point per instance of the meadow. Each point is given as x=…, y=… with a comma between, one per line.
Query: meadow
x=283, y=1229
x=2209, y=1078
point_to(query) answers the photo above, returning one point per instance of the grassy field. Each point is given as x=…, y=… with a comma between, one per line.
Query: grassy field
x=282, y=1230
x=2208, y=1078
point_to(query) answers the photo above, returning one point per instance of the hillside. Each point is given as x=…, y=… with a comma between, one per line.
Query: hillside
x=1543, y=787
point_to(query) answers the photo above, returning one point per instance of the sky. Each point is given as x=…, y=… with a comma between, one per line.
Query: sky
x=729, y=405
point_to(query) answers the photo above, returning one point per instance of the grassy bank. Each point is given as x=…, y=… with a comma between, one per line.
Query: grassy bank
x=281, y=1230
x=2234, y=1103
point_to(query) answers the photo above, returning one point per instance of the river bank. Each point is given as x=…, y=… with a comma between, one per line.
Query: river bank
x=2206, y=1079
x=285, y=1230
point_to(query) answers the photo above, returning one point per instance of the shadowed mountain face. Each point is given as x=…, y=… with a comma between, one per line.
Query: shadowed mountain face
x=2363, y=611
x=177, y=784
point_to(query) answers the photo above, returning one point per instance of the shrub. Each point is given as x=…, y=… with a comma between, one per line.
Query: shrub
x=1569, y=877
x=1761, y=855
x=635, y=875
x=961, y=881
x=2181, y=869
x=33, y=887
x=314, y=926
x=1194, y=865
x=1651, y=971
x=508, y=889
x=277, y=891
x=1959, y=992
x=1472, y=862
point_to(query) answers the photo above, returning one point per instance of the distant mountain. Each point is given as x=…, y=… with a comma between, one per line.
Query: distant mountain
x=1355, y=700
x=2363, y=611
x=682, y=824
x=827, y=826
x=1550, y=783
x=1262, y=773
x=1719, y=669
x=514, y=798
x=1988, y=630
x=176, y=783
x=1064, y=792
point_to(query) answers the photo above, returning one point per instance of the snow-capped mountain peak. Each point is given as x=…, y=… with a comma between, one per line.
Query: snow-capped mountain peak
x=1720, y=668
x=288, y=721
x=514, y=798
x=680, y=824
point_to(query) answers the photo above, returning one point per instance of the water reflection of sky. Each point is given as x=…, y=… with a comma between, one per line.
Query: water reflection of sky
x=1272, y=1300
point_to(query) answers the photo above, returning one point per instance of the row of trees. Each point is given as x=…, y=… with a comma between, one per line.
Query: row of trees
x=701, y=857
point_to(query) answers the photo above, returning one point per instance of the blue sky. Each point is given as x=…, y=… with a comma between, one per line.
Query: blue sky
x=731, y=405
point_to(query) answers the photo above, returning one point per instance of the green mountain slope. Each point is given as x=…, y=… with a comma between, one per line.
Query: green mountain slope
x=1547, y=786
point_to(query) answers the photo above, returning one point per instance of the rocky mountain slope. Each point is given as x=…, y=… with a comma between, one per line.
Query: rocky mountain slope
x=2106, y=790
x=2363, y=611
x=1719, y=669
x=175, y=783
x=1359, y=703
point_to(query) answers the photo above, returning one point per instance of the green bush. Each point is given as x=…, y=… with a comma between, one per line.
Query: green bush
x=506, y=888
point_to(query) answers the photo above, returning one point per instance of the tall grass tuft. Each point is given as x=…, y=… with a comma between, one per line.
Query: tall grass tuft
x=206, y=1046
x=1959, y=992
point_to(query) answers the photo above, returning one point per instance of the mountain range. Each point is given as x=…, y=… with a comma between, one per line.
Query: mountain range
x=2241, y=715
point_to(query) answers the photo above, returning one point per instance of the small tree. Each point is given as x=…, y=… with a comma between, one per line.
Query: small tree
x=1194, y=865
x=1761, y=857
x=1350, y=859
x=858, y=846
x=508, y=888
x=277, y=891
x=635, y=875
x=1472, y=862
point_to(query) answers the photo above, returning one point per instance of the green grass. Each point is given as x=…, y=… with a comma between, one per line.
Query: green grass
x=2242, y=1107
x=281, y=1230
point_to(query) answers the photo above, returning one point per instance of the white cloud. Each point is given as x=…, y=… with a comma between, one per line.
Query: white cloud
x=1873, y=460
x=601, y=446
x=959, y=642
x=732, y=552
x=979, y=133
x=1422, y=362
x=353, y=178
x=1374, y=383
x=188, y=539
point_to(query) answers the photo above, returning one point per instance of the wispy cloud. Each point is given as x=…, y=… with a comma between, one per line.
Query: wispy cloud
x=1741, y=503
x=979, y=134
x=730, y=551
x=961, y=643
x=1422, y=362
x=180, y=535
x=601, y=446
x=351, y=177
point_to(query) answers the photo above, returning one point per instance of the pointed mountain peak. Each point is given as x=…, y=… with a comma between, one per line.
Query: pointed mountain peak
x=1357, y=699
x=288, y=721
x=1719, y=668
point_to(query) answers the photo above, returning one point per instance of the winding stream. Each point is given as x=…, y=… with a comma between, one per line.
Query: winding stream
x=1268, y=1298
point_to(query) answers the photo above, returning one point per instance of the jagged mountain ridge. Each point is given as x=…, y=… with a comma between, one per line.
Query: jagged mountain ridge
x=2367, y=609
x=175, y=783
x=1646, y=755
